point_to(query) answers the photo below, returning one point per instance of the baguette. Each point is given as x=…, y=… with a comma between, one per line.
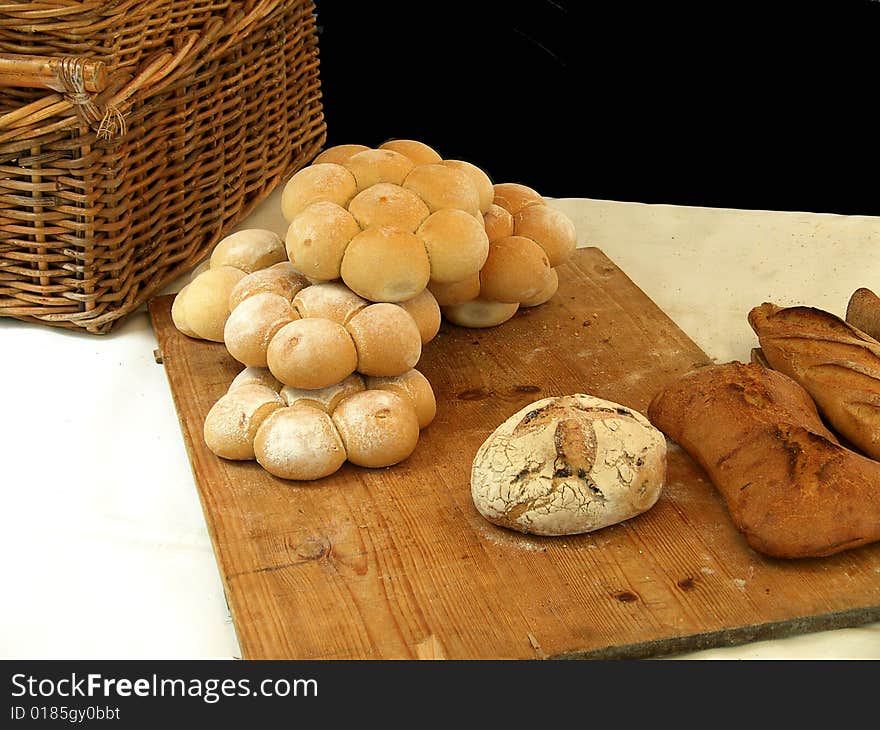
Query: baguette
x=838, y=365
x=863, y=312
x=789, y=486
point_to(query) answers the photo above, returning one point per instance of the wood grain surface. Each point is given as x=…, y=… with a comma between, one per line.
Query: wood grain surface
x=397, y=564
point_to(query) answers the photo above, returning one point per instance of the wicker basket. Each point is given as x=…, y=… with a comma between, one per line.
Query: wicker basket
x=169, y=122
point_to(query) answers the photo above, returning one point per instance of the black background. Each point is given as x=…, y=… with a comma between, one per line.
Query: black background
x=745, y=105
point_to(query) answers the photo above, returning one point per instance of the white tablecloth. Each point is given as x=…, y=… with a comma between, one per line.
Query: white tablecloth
x=106, y=553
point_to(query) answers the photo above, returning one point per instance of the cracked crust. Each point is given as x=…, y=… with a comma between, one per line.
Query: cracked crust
x=567, y=465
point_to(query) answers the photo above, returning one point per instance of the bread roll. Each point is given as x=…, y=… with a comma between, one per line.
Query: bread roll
x=339, y=154
x=415, y=387
x=498, y=223
x=387, y=340
x=249, y=250
x=568, y=465
x=516, y=270
x=311, y=353
x=456, y=292
x=299, y=443
x=443, y=187
x=232, y=422
x=178, y=313
x=325, y=399
x=281, y=279
x=513, y=197
x=329, y=300
x=863, y=312
x=206, y=305
x=378, y=166
x=255, y=376
x=325, y=181
x=788, y=485
x=385, y=204
x=480, y=180
x=479, y=313
x=252, y=325
x=456, y=243
x=418, y=152
x=386, y=264
x=423, y=308
x=550, y=228
x=551, y=286
x=837, y=364
x=317, y=238
x=379, y=428
x=204, y=266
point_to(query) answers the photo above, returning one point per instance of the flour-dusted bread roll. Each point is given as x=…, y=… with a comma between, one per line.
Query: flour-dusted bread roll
x=255, y=376
x=386, y=204
x=325, y=181
x=311, y=353
x=252, y=325
x=498, y=223
x=206, y=304
x=479, y=178
x=378, y=166
x=513, y=197
x=249, y=250
x=231, y=425
x=418, y=152
x=281, y=279
x=456, y=243
x=178, y=313
x=330, y=300
x=204, y=266
x=444, y=187
x=387, y=339
x=386, y=264
x=551, y=286
x=516, y=270
x=413, y=386
x=456, y=292
x=423, y=308
x=567, y=465
x=299, y=443
x=479, y=313
x=339, y=154
x=324, y=398
x=379, y=428
x=317, y=237
x=550, y=228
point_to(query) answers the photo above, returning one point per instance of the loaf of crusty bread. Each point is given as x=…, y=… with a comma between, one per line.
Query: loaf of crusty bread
x=789, y=486
x=863, y=312
x=836, y=363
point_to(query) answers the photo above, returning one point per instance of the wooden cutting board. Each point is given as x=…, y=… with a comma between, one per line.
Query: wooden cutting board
x=397, y=563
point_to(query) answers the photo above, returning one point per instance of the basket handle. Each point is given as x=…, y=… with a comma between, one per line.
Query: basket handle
x=71, y=75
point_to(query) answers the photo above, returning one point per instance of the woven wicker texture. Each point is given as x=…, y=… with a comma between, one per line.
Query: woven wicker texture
x=105, y=198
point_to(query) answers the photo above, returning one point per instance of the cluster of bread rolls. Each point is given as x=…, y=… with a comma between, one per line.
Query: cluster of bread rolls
x=330, y=321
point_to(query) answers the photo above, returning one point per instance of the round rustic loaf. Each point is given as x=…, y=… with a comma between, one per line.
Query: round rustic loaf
x=378, y=428
x=338, y=154
x=456, y=243
x=516, y=270
x=567, y=465
x=386, y=264
x=317, y=237
x=444, y=187
x=281, y=278
x=423, y=308
x=252, y=325
x=378, y=166
x=498, y=223
x=249, y=250
x=325, y=181
x=478, y=313
x=413, y=386
x=387, y=339
x=330, y=300
x=479, y=178
x=311, y=353
x=299, y=443
x=206, y=302
x=386, y=204
x=418, y=152
x=550, y=228
x=327, y=398
x=232, y=423
x=513, y=197
x=456, y=292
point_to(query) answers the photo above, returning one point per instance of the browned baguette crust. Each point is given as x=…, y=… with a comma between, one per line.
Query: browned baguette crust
x=863, y=312
x=838, y=365
x=788, y=485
